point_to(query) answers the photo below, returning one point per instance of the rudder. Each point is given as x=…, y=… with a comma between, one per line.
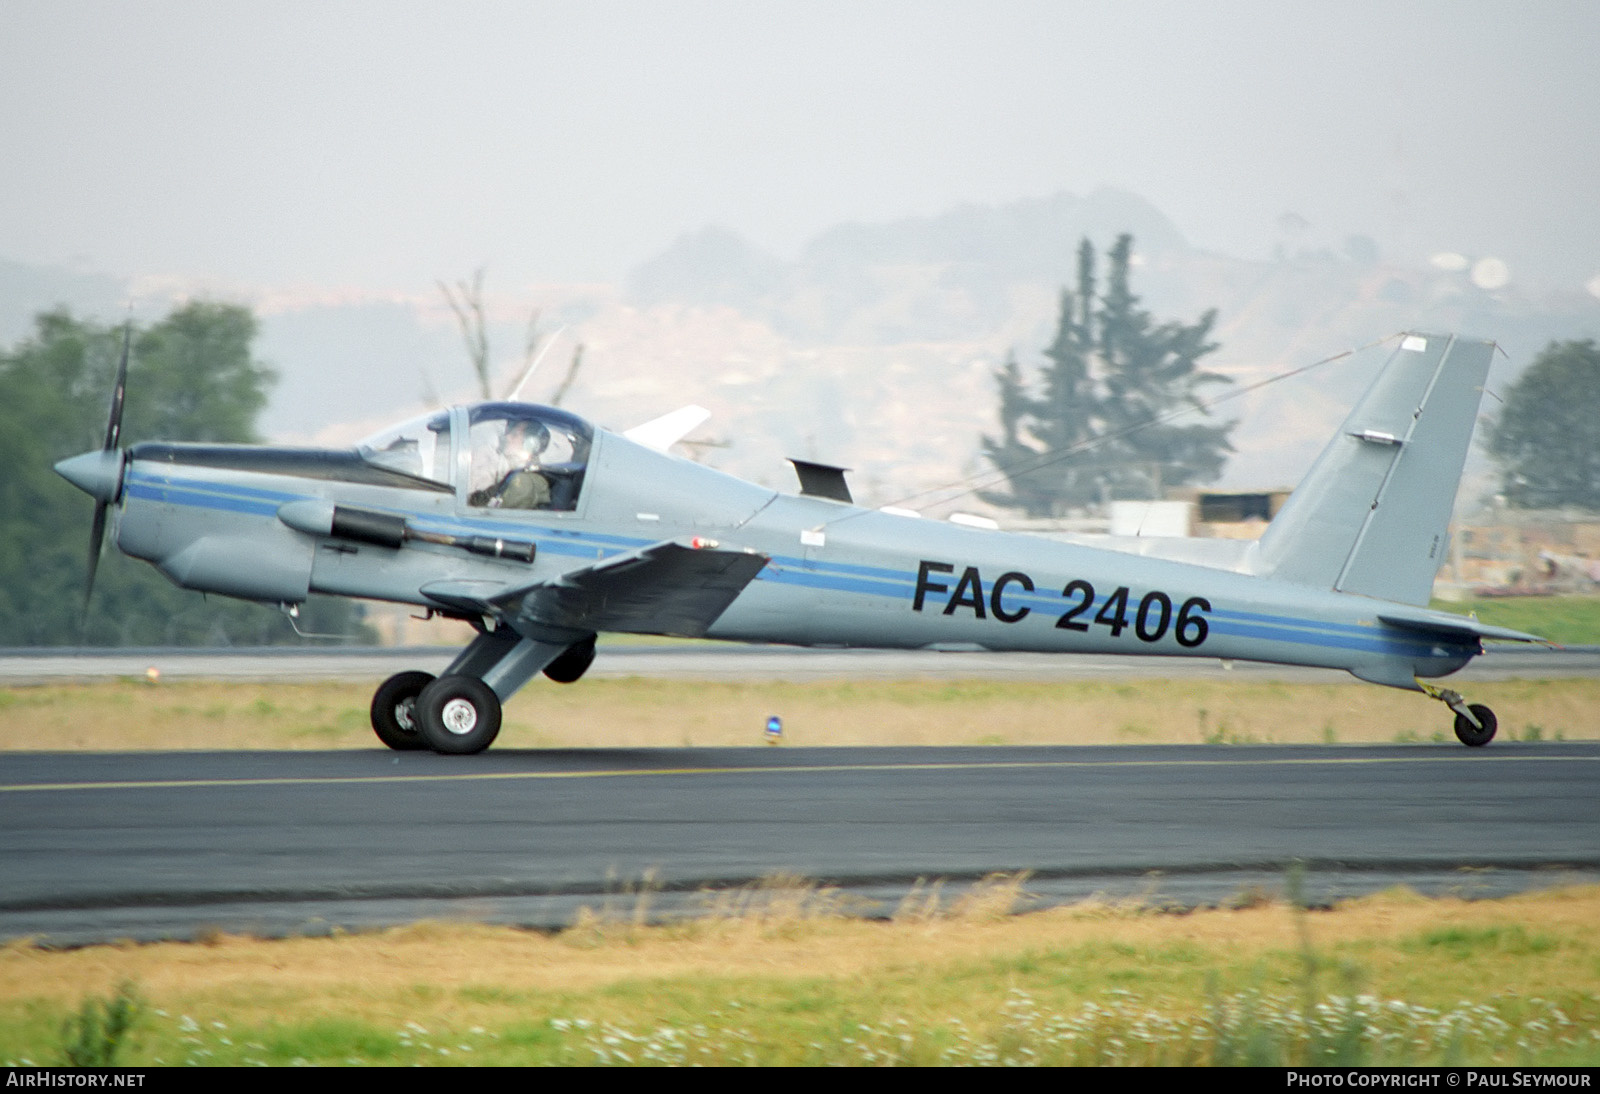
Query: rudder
x=1372, y=516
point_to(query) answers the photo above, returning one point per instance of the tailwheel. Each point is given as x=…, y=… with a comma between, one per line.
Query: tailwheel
x=394, y=711
x=1476, y=736
x=458, y=715
x=1475, y=723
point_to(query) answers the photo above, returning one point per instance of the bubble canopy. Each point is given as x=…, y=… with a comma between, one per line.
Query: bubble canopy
x=419, y=447
x=526, y=457
x=516, y=455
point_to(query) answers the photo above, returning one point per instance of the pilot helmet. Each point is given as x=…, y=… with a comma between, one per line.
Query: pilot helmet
x=533, y=439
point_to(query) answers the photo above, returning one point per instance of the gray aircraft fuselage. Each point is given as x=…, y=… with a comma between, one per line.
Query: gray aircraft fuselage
x=866, y=578
x=558, y=530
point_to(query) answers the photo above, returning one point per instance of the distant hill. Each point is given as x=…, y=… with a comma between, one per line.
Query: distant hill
x=875, y=346
x=918, y=279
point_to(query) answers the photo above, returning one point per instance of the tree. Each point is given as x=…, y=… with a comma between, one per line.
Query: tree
x=191, y=377
x=466, y=302
x=1547, y=441
x=197, y=378
x=1098, y=427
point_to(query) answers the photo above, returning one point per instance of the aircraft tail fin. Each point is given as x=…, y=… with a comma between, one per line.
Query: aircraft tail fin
x=1372, y=516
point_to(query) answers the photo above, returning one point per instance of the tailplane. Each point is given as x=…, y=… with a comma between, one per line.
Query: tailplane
x=1372, y=516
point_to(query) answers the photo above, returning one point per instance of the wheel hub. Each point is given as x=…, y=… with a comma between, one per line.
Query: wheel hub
x=459, y=716
x=403, y=715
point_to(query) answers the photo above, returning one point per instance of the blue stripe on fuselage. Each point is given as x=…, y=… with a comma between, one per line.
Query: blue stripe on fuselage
x=837, y=577
x=1233, y=624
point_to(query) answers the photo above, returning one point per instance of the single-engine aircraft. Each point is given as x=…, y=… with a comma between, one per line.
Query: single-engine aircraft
x=542, y=530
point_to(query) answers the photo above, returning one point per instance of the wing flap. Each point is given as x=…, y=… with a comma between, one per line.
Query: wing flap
x=471, y=597
x=667, y=588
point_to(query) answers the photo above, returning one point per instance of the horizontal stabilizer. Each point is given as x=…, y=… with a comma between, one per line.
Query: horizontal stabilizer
x=1456, y=626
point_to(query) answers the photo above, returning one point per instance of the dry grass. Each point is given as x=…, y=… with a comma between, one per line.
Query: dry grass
x=924, y=967
x=676, y=713
x=254, y=974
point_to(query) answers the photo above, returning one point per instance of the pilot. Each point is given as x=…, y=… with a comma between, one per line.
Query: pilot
x=521, y=484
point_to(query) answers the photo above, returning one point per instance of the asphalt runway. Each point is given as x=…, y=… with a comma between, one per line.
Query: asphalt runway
x=169, y=845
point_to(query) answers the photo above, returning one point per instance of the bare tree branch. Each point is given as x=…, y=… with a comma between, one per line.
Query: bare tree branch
x=572, y=374
x=466, y=301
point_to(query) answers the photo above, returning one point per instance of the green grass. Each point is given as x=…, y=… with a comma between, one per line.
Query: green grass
x=97, y=1033
x=1390, y=980
x=721, y=1022
x=1462, y=943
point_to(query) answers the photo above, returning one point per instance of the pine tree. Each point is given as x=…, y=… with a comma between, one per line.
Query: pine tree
x=1096, y=429
x=1547, y=440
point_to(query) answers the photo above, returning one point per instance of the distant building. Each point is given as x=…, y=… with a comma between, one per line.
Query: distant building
x=1523, y=552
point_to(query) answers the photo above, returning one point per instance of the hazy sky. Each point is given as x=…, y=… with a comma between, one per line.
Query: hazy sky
x=384, y=145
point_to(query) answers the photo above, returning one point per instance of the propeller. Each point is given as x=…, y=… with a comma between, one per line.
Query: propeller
x=118, y=391
x=99, y=474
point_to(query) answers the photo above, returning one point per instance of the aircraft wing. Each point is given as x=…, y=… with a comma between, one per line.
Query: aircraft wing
x=667, y=588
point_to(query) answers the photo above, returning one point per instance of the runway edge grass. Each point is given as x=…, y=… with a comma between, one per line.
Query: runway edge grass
x=782, y=978
x=133, y=715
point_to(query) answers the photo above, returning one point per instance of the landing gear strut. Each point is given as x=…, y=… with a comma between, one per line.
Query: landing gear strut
x=1475, y=724
x=459, y=713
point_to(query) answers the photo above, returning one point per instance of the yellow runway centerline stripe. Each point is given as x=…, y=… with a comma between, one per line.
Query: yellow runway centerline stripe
x=763, y=769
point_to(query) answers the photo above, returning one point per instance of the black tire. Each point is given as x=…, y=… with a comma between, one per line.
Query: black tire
x=572, y=663
x=1469, y=734
x=394, y=711
x=458, y=715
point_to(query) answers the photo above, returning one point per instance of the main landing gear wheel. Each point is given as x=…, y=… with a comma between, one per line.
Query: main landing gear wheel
x=573, y=662
x=1476, y=736
x=458, y=715
x=394, y=711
